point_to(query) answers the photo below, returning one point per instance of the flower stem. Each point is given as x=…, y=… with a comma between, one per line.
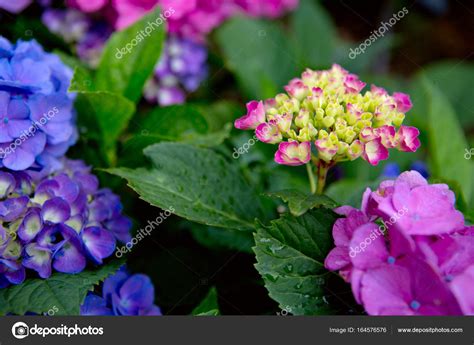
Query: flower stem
x=312, y=181
x=323, y=169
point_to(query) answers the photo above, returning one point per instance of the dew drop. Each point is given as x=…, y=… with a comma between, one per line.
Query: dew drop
x=276, y=248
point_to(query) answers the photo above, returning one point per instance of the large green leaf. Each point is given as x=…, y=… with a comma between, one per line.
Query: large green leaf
x=290, y=257
x=300, y=202
x=129, y=57
x=66, y=292
x=82, y=80
x=447, y=143
x=174, y=123
x=105, y=115
x=181, y=123
x=259, y=54
x=315, y=35
x=102, y=116
x=209, y=305
x=199, y=183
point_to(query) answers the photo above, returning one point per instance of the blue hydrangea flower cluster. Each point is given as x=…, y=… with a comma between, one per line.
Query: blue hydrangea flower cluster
x=37, y=122
x=61, y=222
x=123, y=294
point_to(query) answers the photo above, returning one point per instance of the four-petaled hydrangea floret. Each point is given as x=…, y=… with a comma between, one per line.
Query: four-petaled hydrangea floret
x=123, y=294
x=60, y=222
x=328, y=109
x=37, y=123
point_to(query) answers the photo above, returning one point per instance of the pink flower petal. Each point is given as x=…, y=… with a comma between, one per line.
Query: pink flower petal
x=293, y=153
x=374, y=152
x=255, y=116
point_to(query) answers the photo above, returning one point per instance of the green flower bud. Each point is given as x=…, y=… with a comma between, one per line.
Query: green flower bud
x=328, y=121
x=302, y=119
x=281, y=98
x=322, y=134
x=319, y=114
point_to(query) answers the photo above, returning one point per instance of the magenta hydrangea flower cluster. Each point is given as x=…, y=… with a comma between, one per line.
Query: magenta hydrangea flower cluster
x=192, y=19
x=407, y=251
x=59, y=222
x=328, y=109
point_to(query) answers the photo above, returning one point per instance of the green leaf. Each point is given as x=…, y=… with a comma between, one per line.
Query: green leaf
x=127, y=73
x=199, y=183
x=300, y=202
x=82, y=80
x=179, y=123
x=455, y=79
x=290, y=258
x=66, y=292
x=259, y=54
x=308, y=19
x=213, y=312
x=105, y=115
x=219, y=113
x=446, y=141
x=209, y=305
x=210, y=139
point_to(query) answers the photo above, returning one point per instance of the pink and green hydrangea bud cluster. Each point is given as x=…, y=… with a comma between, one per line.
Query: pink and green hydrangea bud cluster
x=328, y=109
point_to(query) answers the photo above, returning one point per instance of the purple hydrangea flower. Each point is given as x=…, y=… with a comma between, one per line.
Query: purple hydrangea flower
x=407, y=251
x=123, y=294
x=181, y=69
x=36, y=112
x=75, y=27
x=15, y=6
x=61, y=222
